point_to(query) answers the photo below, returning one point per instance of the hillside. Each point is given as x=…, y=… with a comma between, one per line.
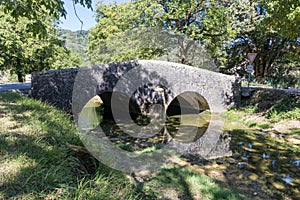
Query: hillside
x=77, y=41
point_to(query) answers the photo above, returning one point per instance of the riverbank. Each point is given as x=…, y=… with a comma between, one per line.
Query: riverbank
x=42, y=157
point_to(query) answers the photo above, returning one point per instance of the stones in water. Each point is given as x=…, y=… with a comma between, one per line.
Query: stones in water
x=273, y=162
x=220, y=161
x=241, y=165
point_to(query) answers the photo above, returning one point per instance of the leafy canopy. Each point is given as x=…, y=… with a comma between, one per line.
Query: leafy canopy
x=188, y=22
x=22, y=52
x=276, y=44
x=38, y=10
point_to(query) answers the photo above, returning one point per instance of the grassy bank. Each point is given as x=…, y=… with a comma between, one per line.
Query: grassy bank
x=37, y=161
x=266, y=108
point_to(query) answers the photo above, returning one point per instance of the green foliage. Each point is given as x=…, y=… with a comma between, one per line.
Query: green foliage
x=38, y=11
x=288, y=108
x=284, y=17
x=274, y=105
x=227, y=30
x=119, y=34
x=22, y=52
x=187, y=184
x=105, y=184
x=259, y=29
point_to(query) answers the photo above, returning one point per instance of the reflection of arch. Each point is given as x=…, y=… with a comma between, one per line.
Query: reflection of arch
x=187, y=120
x=98, y=109
x=91, y=114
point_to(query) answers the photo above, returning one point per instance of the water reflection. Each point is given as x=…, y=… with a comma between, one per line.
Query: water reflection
x=275, y=164
x=297, y=163
x=188, y=128
x=184, y=128
x=287, y=179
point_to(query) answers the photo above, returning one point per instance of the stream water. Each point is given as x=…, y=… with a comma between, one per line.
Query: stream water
x=269, y=162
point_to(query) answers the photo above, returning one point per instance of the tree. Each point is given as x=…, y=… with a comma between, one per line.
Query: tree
x=228, y=30
x=76, y=41
x=276, y=49
x=188, y=22
x=22, y=52
x=283, y=17
x=37, y=11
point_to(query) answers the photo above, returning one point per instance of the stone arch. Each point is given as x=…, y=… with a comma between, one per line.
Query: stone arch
x=187, y=103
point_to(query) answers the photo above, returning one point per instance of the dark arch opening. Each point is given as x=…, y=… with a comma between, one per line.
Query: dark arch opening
x=114, y=131
x=187, y=103
x=188, y=117
x=119, y=104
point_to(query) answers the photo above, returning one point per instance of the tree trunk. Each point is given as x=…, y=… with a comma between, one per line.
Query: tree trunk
x=20, y=77
x=19, y=71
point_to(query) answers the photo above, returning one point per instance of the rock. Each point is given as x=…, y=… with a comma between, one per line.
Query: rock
x=241, y=165
x=278, y=185
x=220, y=161
x=253, y=177
x=235, y=156
x=232, y=161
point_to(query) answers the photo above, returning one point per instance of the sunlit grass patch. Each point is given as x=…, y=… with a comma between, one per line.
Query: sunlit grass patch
x=10, y=168
x=188, y=184
x=295, y=131
x=105, y=184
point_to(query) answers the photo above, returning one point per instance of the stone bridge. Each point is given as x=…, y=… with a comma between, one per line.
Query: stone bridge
x=178, y=88
x=217, y=91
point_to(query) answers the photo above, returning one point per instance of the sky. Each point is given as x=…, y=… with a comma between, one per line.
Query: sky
x=86, y=15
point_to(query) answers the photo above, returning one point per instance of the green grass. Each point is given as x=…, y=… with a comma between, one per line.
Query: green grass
x=184, y=183
x=37, y=162
x=273, y=106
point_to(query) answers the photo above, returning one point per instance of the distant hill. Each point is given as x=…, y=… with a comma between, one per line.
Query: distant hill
x=76, y=41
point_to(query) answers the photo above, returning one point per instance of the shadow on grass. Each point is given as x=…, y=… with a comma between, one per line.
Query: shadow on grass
x=34, y=170
x=37, y=162
x=273, y=104
x=183, y=183
x=36, y=147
